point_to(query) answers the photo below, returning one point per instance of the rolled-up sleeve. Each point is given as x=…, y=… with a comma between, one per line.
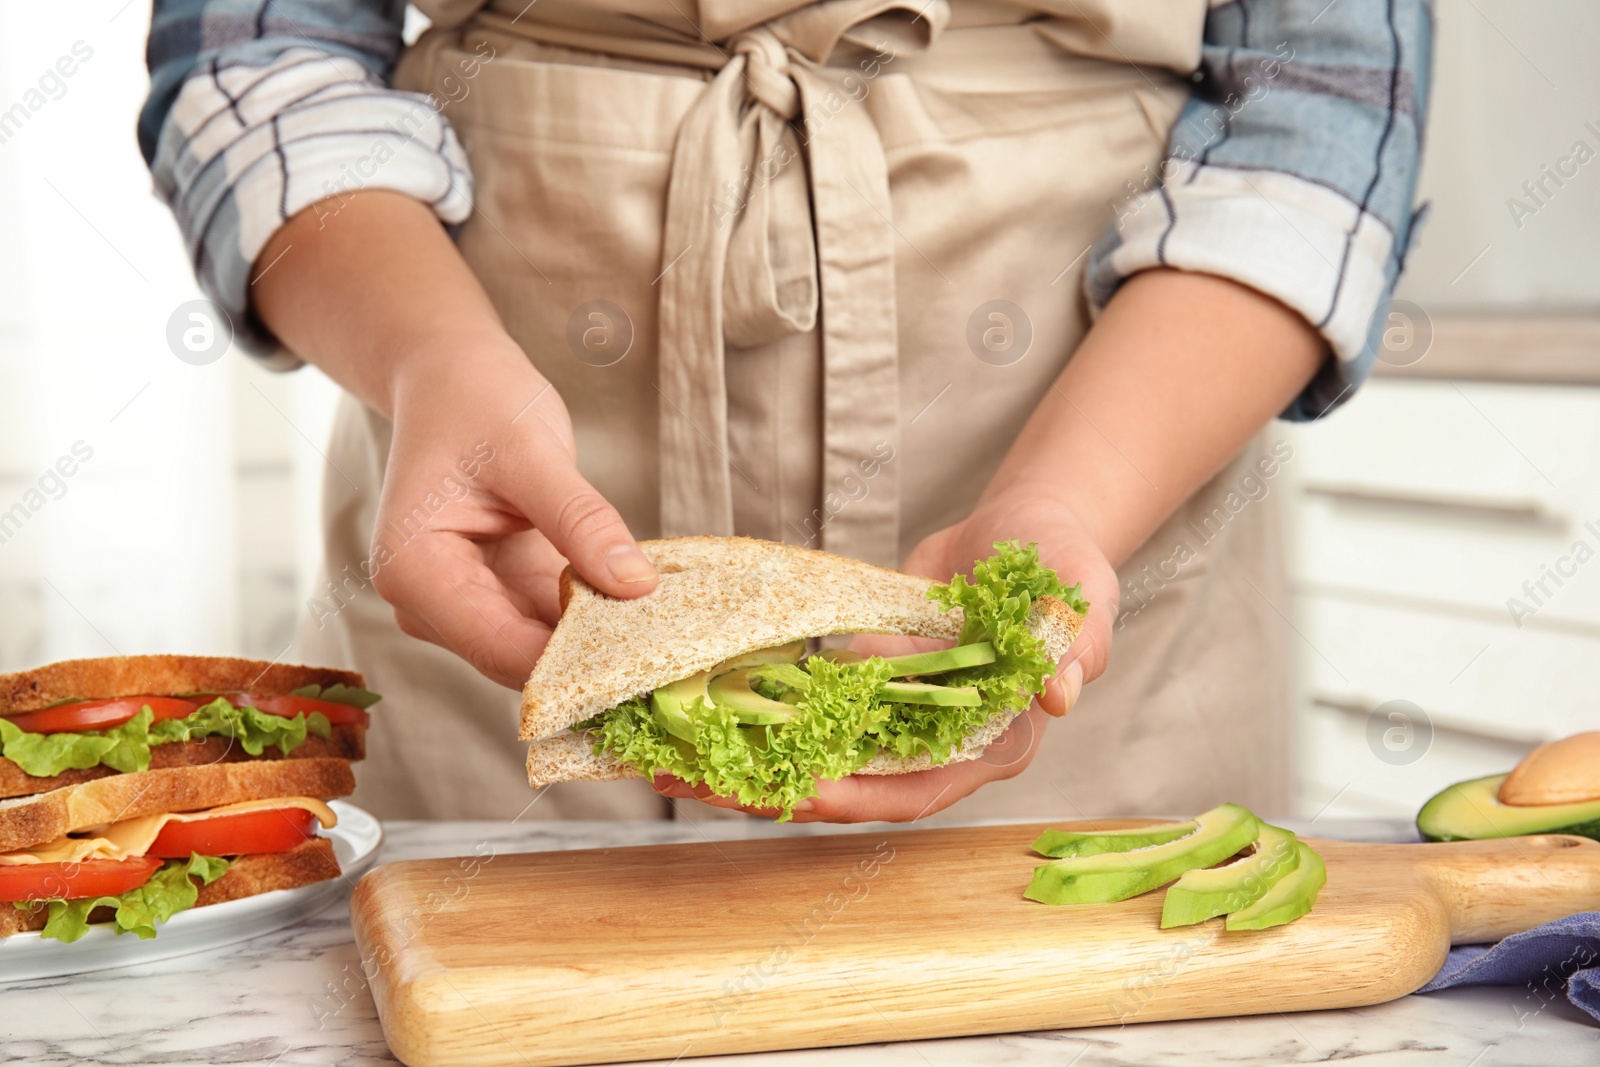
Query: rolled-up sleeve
x=258, y=111
x=1293, y=170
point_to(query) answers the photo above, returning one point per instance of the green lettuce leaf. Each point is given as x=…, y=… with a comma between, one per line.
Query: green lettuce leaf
x=339, y=693
x=252, y=728
x=45, y=755
x=139, y=911
x=127, y=747
x=769, y=767
x=842, y=721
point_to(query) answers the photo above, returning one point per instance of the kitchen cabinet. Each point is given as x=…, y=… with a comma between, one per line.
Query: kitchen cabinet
x=1444, y=553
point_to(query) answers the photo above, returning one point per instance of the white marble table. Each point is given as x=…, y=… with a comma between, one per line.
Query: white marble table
x=297, y=998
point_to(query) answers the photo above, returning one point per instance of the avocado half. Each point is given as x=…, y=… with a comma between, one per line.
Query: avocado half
x=1471, y=810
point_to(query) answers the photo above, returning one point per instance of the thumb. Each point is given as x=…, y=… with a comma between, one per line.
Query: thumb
x=584, y=527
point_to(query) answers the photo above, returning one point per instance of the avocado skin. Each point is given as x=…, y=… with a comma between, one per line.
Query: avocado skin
x=1108, y=877
x=1292, y=896
x=1471, y=811
x=1204, y=894
x=1064, y=844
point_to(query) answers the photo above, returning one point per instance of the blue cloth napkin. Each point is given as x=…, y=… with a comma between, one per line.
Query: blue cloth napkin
x=1561, y=957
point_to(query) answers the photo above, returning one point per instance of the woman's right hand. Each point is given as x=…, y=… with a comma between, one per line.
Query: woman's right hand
x=482, y=502
x=482, y=507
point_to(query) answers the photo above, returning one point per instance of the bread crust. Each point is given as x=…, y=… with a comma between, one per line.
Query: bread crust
x=308, y=862
x=34, y=820
x=345, y=741
x=126, y=676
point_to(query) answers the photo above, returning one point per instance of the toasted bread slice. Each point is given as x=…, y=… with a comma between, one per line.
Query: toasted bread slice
x=720, y=597
x=311, y=861
x=33, y=820
x=127, y=676
x=345, y=741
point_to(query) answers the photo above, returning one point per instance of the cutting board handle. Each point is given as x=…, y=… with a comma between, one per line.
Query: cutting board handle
x=1493, y=889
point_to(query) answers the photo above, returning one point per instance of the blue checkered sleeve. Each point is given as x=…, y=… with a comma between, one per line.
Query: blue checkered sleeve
x=259, y=109
x=1293, y=170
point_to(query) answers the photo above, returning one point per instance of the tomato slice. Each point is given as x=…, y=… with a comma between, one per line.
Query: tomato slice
x=69, y=881
x=271, y=830
x=99, y=714
x=289, y=707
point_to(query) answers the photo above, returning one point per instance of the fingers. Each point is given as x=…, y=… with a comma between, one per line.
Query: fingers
x=1090, y=651
x=579, y=522
x=1061, y=692
x=444, y=593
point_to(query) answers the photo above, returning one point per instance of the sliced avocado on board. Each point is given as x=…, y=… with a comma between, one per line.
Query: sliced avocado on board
x=1206, y=893
x=1064, y=844
x=733, y=692
x=1291, y=897
x=948, y=696
x=941, y=660
x=1471, y=810
x=1112, y=876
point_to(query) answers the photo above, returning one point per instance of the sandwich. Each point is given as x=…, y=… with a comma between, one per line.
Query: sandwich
x=137, y=787
x=715, y=677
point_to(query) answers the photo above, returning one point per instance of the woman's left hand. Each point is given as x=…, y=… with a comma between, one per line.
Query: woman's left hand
x=1065, y=546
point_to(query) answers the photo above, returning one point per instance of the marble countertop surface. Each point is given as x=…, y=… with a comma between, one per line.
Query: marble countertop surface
x=297, y=997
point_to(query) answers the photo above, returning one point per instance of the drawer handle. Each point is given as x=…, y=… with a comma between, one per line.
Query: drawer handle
x=1363, y=709
x=1528, y=512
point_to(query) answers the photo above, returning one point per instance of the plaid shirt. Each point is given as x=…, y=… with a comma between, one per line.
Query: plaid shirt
x=1292, y=168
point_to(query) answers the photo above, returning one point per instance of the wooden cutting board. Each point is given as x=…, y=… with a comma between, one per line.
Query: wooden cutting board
x=661, y=951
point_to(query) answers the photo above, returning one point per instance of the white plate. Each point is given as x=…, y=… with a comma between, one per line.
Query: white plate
x=356, y=841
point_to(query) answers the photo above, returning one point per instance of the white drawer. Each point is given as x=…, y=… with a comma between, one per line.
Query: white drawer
x=1455, y=494
x=1340, y=777
x=1428, y=559
x=1466, y=674
x=1474, y=441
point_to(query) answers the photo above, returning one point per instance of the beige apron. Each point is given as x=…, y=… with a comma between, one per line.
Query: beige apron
x=806, y=283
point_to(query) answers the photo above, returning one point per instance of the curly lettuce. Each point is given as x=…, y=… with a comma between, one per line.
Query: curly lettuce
x=841, y=719
x=127, y=747
x=138, y=911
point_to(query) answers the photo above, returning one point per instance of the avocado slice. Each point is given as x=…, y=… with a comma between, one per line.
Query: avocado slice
x=941, y=660
x=733, y=692
x=1111, y=876
x=1204, y=894
x=1471, y=810
x=670, y=705
x=1286, y=901
x=945, y=696
x=839, y=655
x=1064, y=844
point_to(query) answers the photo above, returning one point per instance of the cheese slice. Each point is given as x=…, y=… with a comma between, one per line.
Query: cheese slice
x=131, y=837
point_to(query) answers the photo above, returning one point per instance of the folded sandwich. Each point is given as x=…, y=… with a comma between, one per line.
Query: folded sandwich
x=140, y=786
x=707, y=677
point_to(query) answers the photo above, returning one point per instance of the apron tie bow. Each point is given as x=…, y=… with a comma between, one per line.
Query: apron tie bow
x=759, y=244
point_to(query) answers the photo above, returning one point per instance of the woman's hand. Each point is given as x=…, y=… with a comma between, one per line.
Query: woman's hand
x=482, y=500
x=1024, y=514
x=483, y=506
